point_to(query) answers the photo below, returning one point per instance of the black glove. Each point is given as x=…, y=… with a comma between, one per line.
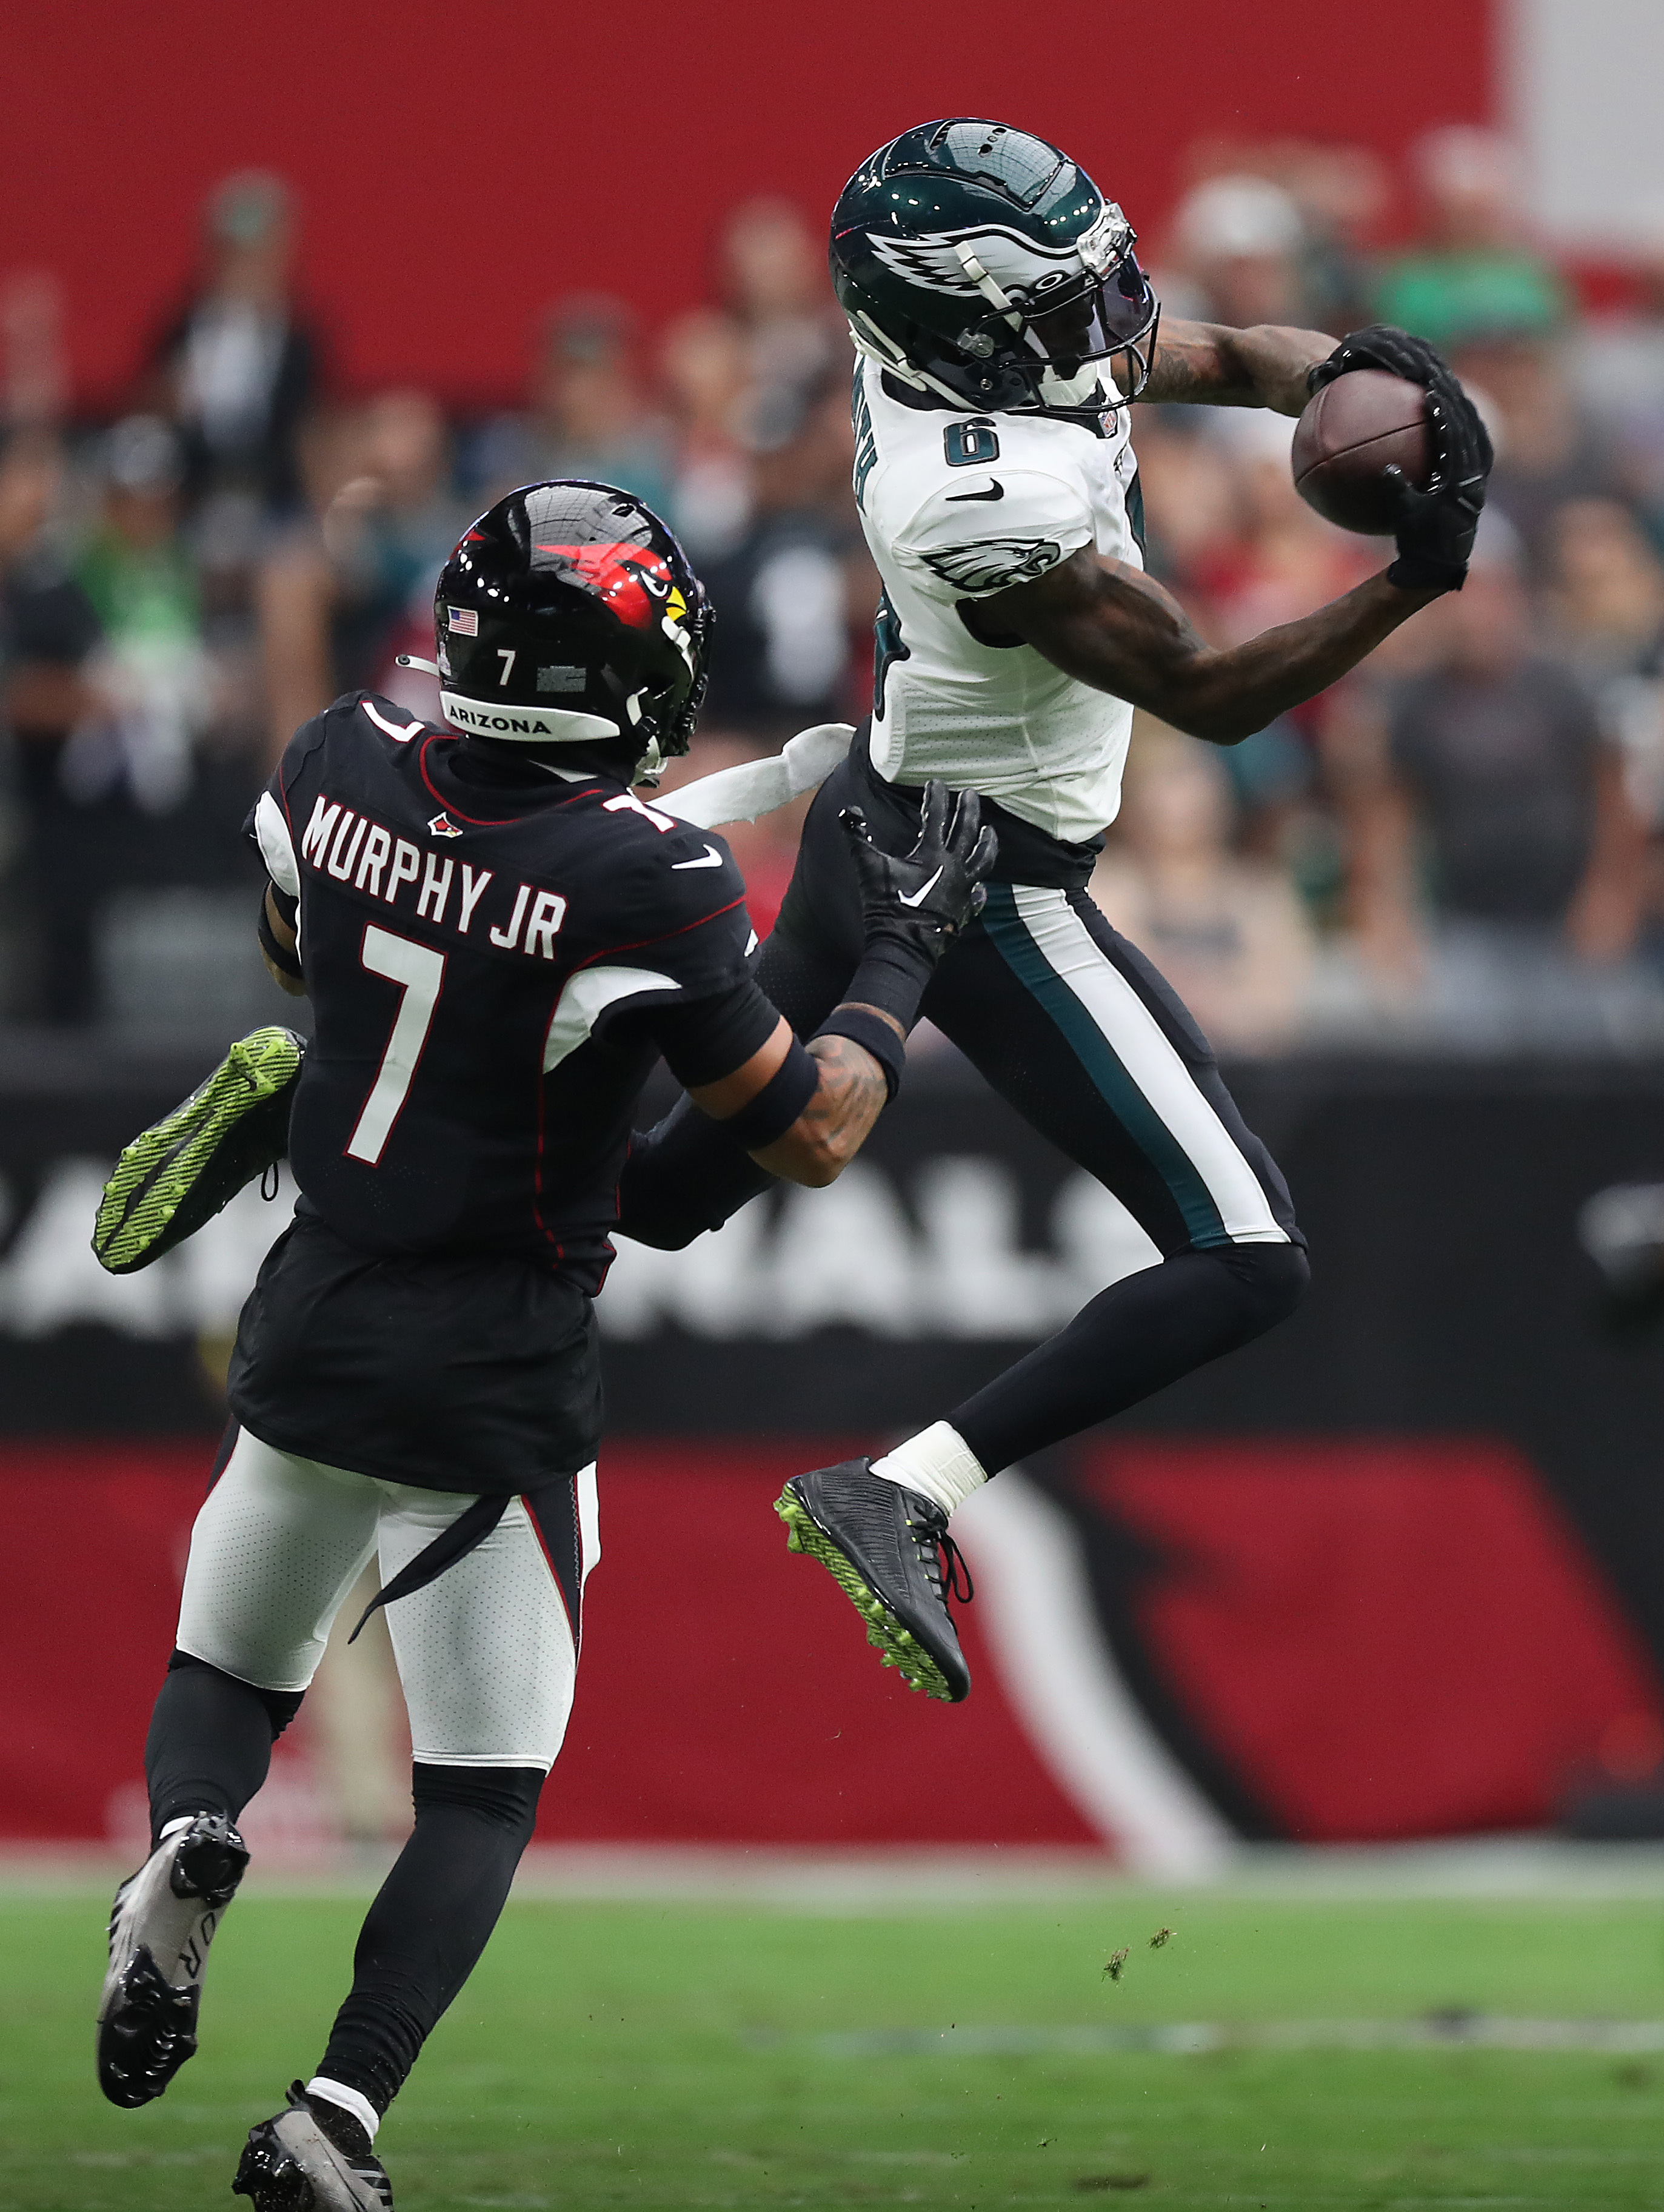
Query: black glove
x=1435, y=527
x=910, y=910
x=918, y=904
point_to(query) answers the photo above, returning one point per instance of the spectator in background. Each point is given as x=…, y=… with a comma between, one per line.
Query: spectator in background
x=1492, y=771
x=1228, y=934
x=1545, y=454
x=1607, y=606
x=1280, y=561
x=139, y=574
x=1472, y=273
x=238, y=371
x=48, y=633
x=1237, y=242
x=1190, y=498
x=787, y=598
x=1616, y=367
x=773, y=278
x=586, y=416
x=1606, y=595
x=340, y=598
x=704, y=368
x=1341, y=193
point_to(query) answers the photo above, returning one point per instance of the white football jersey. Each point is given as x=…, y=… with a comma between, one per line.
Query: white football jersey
x=957, y=507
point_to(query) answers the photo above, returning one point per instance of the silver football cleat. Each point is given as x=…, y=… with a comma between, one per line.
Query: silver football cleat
x=314, y=2157
x=160, y=1927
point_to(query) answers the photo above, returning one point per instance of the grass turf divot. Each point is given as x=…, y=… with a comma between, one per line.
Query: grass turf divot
x=895, y=1644
x=155, y=1173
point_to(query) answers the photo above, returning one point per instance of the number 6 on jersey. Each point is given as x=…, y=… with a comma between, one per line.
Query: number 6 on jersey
x=422, y=972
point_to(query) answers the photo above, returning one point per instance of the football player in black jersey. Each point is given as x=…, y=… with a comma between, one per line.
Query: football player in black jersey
x=498, y=938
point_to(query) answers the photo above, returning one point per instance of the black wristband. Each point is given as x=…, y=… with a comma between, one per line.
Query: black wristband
x=279, y=955
x=892, y=976
x=780, y=1102
x=873, y=1034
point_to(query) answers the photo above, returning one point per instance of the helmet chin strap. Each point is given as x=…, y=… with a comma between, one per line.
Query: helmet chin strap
x=988, y=286
x=1085, y=390
x=647, y=769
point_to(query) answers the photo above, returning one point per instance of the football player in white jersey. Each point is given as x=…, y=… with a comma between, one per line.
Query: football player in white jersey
x=1004, y=330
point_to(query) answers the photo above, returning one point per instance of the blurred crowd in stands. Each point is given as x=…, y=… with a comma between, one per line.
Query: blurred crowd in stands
x=1460, y=848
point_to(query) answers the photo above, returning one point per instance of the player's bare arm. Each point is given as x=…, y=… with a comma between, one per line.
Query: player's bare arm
x=849, y=1095
x=1209, y=363
x=1109, y=625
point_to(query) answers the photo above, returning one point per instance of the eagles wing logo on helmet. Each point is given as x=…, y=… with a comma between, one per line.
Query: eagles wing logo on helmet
x=995, y=563
x=933, y=260
x=1017, y=265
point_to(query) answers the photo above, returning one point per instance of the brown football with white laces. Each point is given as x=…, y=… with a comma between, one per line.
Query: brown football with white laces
x=1354, y=429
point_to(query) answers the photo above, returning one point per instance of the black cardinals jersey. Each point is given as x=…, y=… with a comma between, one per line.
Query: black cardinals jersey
x=496, y=955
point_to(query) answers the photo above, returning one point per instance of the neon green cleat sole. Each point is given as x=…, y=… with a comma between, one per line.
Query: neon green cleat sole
x=896, y=1644
x=179, y=1172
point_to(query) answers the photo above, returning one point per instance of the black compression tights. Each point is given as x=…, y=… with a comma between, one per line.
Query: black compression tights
x=211, y=1741
x=1138, y=1336
x=688, y=1175
x=431, y=1921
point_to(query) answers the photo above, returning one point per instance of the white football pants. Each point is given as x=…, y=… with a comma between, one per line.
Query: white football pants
x=487, y=1653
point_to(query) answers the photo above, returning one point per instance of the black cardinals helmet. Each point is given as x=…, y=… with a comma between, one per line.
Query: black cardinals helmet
x=570, y=615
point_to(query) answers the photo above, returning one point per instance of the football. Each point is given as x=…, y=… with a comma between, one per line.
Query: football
x=1354, y=429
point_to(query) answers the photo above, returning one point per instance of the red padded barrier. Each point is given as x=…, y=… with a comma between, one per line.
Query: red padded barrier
x=1389, y=1638
x=458, y=171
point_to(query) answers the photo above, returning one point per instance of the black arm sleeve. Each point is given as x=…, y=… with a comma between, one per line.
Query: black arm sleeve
x=704, y=1039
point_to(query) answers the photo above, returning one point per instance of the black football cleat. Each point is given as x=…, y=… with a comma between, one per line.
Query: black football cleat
x=315, y=2157
x=890, y=1552
x=162, y=1925
x=182, y=1170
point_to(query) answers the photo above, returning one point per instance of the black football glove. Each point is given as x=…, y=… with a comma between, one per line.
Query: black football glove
x=1435, y=527
x=921, y=902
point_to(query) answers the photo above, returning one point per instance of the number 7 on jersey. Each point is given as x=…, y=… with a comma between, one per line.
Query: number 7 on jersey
x=422, y=972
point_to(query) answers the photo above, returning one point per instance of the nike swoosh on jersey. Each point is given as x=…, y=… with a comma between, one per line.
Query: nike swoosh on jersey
x=918, y=897
x=709, y=858
x=995, y=490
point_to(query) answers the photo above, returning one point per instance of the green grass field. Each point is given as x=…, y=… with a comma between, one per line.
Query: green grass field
x=656, y=2055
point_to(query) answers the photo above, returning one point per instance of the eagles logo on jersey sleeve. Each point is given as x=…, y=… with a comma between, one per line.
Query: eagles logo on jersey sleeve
x=989, y=529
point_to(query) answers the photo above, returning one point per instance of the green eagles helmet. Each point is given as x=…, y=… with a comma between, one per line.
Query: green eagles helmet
x=981, y=264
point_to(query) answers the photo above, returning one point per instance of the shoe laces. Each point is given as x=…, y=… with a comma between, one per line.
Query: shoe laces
x=945, y=1564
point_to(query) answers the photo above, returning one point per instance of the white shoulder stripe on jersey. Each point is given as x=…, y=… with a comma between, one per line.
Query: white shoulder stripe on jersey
x=277, y=846
x=586, y=997
x=1141, y=1045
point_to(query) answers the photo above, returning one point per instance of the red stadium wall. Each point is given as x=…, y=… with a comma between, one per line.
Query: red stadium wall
x=460, y=167
x=1387, y=1640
